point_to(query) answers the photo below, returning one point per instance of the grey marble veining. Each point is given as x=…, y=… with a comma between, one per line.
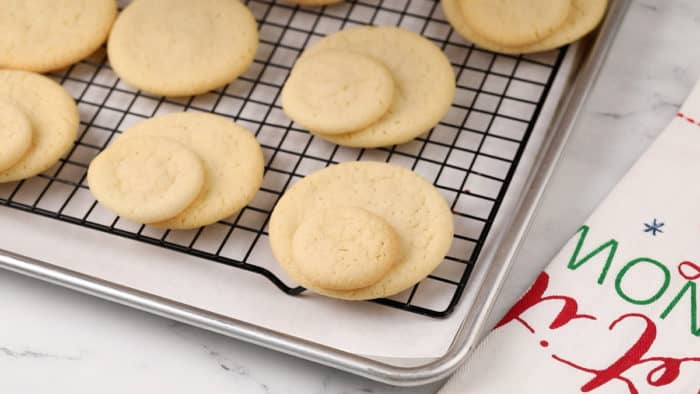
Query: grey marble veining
x=54, y=340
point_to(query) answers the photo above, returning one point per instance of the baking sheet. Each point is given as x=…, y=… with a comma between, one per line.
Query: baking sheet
x=361, y=328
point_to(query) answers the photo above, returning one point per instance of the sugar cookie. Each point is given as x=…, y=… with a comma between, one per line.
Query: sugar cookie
x=232, y=158
x=146, y=179
x=52, y=114
x=344, y=248
x=182, y=47
x=515, y=22
x=336, y=92
x=15, y=134
x=583, y=17
x=423, y=77
x=413, y=208
x=46, y=35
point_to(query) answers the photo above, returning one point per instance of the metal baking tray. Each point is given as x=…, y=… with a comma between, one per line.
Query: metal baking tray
x=501, y=224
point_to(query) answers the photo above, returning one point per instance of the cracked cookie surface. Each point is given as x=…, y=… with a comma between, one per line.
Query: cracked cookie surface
x=515, y=22
x=53, y=116
x=583, y=17
x=423, y=77
x=232, y=159
x=15, y=134
x=146, y=179
x=344, y=248
x=182, y=47
x=47, y=35
x=413, y=207
x=336, y=92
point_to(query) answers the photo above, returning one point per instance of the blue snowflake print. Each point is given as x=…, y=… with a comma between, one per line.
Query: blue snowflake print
x=654, y=227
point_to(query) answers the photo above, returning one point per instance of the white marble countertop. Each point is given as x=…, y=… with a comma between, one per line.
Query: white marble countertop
x=54, y=340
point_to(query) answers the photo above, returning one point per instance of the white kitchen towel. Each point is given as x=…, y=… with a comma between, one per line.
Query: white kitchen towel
x=616, y=311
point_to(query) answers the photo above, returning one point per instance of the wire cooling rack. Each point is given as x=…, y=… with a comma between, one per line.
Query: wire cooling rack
x=470, y=156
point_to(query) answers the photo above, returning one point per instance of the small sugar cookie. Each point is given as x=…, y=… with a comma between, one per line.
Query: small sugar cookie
x=336, y=92
x=423, y=77
x=583, y=17
x=182, y=47
x=408, y=203
x=344, y=248
x=232, y=158
x=146, y=179
x=46, y=35
x=15, y=134
x=515, y=22
x=52, y=114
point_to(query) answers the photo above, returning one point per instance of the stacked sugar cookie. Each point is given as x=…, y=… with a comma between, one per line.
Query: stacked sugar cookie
x=354, y=231
x=360, y=230
x=370, y=87
x=38, y=119
x=38, y=124
x=178, y=171
x=523, y=26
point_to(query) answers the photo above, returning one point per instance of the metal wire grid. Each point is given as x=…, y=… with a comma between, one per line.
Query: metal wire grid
x=470, y=156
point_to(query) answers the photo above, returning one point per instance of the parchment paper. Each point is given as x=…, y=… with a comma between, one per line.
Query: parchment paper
x=359, y=327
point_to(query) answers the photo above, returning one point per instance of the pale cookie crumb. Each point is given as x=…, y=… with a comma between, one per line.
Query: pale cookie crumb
x=344, y=248
x=336, y=92
x=15, y=134
x=146, y=179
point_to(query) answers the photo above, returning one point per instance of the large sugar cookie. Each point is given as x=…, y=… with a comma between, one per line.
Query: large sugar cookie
x=46, y=35
x=232, y=158
x=344, y=248
x=423, y=77
x=15, y=134
x=515, y=22
x=336, y=92
x=413, y=207
x=583, y=17
x=182, y=47
x=146, y=179
x=52, y=114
